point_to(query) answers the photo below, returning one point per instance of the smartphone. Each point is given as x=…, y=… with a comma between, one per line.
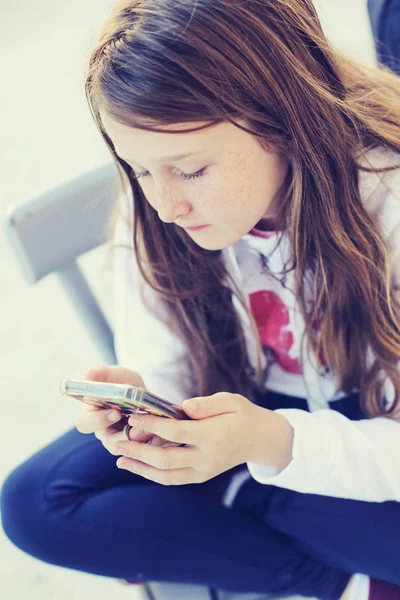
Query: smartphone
x=126, y=398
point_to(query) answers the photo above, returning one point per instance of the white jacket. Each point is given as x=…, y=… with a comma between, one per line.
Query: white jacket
x=332, y=455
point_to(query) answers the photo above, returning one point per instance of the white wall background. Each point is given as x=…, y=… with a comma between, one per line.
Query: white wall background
x=47, y=136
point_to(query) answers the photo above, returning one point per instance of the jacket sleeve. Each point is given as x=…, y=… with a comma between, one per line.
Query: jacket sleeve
x=334, y=456
x=142, y=341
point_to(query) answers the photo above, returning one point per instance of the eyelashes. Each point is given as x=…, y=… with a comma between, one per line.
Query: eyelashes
x=185, y=176
x=193, y=175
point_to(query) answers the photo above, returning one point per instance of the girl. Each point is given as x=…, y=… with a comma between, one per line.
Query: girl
x=256, y=259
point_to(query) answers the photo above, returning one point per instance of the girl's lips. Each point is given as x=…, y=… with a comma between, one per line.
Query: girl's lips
x=195, y=228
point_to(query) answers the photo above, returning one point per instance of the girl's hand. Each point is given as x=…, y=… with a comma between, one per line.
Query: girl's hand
x=227, y=430
x=95, y=420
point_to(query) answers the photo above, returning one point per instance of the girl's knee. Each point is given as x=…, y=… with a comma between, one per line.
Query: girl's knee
x=23, y=508
x=15, y=500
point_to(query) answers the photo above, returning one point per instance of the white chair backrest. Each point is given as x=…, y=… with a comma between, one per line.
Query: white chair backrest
x=50, y=231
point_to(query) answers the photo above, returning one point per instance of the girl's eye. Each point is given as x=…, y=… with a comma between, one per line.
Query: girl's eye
x=183, y=175
x=193, y=175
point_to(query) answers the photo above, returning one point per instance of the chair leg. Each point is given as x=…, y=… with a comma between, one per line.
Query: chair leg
x=148, y=591
x=175, y=591
x=145, y=590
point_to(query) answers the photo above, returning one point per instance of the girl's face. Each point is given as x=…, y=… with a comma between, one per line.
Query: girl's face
x=227, y=181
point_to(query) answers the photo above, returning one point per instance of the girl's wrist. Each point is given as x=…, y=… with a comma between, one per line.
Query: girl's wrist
x=272, y=442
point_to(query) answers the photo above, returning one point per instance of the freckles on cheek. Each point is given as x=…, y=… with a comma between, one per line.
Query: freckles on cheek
x=244, y=194
x=220, y=207
x=241, y=178
x=210, y=202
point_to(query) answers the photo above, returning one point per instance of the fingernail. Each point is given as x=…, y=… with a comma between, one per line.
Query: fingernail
x=113, y=416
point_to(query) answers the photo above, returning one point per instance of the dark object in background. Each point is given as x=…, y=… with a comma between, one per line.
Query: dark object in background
x=385, y=23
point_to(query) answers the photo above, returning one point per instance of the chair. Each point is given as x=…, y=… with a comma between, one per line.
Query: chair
x=375, y=10
x=50, y=231
x=47, y=234
x=384, y=16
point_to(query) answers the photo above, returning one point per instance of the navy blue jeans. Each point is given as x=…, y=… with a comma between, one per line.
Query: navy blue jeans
x=69, y=505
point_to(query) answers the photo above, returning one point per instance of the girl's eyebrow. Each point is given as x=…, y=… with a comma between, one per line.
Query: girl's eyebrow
x=168, y=158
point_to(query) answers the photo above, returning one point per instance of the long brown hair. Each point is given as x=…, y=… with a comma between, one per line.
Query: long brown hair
x=268, y=63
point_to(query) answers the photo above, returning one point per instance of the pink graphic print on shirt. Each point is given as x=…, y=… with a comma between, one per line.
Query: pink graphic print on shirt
x=273, y=323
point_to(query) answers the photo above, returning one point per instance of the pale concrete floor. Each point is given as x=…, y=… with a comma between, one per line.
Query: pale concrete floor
x=47, y=137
